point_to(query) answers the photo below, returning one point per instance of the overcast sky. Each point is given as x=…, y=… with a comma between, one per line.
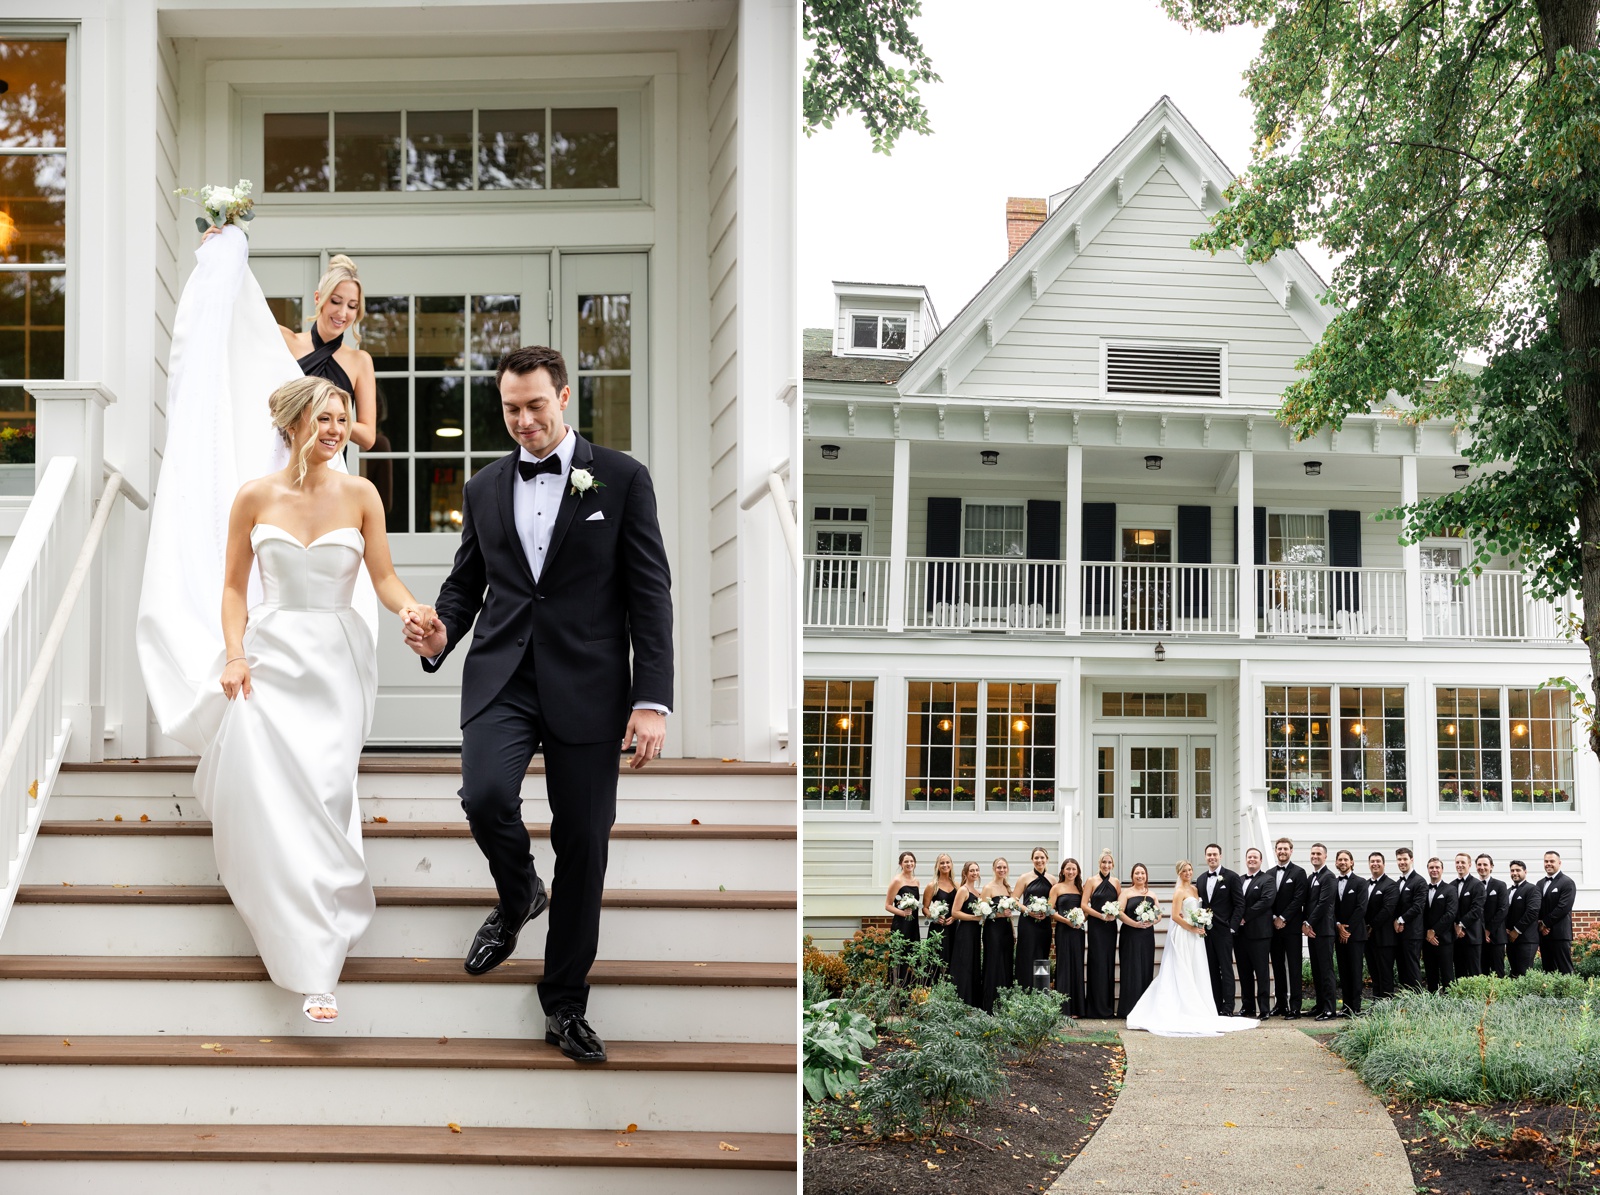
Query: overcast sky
x=1035, y=93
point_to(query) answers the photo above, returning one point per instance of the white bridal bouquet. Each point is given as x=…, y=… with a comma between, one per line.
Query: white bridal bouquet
x=1111, y=909
x=1008, y=905
x=984, y=909
x=222, y=205
x=938, y=910
x=1149, y=913
x=1198, y=917
x=1039, y=906
x=1075, y=917
x=908, y=902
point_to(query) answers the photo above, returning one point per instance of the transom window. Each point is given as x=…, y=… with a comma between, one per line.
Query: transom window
x=836, y=741
x=953, y=725
x=1297, y=538
x=1116, y=704
x=1489, y=734
x=993, y=529
x=880, y=333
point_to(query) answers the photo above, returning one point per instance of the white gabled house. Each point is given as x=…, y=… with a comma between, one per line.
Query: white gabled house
x=1035, y=615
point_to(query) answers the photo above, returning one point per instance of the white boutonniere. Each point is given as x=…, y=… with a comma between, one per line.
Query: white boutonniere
x=583, y=481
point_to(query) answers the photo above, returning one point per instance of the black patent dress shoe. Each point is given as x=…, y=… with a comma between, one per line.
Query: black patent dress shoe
x=1325, y=1016
x=574, y=1037
x=496, y=938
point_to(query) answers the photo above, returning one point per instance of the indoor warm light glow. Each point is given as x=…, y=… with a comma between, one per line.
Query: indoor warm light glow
x=1355, y=728
x=1519, y=730
x=944, y=724
x=1449, y=727
x=8, y=231
x=1316, y=728
x=1020, y=725
x=447, y=433
x=1144, y=538
x=1288, y=728
x=843, y=723
x=455, y=518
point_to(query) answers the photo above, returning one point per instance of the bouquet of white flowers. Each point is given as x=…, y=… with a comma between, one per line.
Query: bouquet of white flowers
x=1075, y=917
x=1008, y=905
x=938, y=910
x=984, y=909
x=1111, y=909
x=1198, y=917
x=1039, y=906
x=222, y=205
x=908, y=902
x=1149, y=913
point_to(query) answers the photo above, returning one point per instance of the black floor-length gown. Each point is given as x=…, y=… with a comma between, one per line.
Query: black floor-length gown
x=907, y=927
x=1069, y=956
x=1033, y=937
x=1101, y=990
x=1138, y=951
x=999, y=946
x=947, y=935
x=966, y=955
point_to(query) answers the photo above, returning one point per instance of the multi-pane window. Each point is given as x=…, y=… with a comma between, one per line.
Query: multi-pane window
x=1105, y=781
x=1020, y=746
x=33, y=238
x=466, y=149
x=1372, y=748
x=1299, y=736
x=1297, y=538
x=992, y=529
x=836, y=742
x=1471, y=767
x=1016, y=746
x=1117, y=704
x=1541, y=748
x=839, y=531
x=604, y=380
x=1202, y=783
x=880, y=333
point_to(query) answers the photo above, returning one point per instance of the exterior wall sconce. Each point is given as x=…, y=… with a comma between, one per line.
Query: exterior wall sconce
x=1152, y=462
x=990, y=456
x=830, y=452
x=1313, y=468
x=1460, y=471
x=1161, y=652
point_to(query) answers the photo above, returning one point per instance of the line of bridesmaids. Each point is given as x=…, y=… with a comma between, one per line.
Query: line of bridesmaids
x=983, y=954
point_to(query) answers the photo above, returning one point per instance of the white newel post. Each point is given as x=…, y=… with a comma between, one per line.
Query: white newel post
x=899, y=535
x=1411, y=554
x=1244, y=550
x=1072, y=614
x=71, y=422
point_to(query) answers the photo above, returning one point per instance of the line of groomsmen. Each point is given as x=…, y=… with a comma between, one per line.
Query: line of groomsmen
x=1430, y=931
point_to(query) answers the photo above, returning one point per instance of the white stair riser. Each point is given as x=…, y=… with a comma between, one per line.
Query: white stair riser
x=354, y=1178
x=699, y=935
x=257, y=1008
x=565, y=1099
x=402, y=862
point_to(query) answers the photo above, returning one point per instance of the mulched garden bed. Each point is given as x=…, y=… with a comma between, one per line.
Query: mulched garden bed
x=1539, y=1158
x=1021, y=1142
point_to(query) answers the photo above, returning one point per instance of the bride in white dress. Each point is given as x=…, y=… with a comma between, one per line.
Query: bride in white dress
x=1179, y=1002
x=286, y=720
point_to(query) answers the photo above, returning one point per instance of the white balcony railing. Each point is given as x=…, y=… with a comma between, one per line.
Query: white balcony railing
x=1160, y=599
x=984, y=595
x=1494, y=604
x=847, y=592
x=1348, y=603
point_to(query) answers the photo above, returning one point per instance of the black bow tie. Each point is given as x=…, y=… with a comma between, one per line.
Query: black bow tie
x=531, y=469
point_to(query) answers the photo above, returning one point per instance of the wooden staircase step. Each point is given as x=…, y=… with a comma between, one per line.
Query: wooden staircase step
x=448, y=764
x=468, y=1052
x=215, y=894
x=649, y=973
x=386, y=1143
x=644, y=830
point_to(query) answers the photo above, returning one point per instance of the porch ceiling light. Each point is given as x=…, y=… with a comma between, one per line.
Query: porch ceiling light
x=830, y=452
x=1161, y=652
x=1313, y=468
x=1152, y=462
x=1144, y=538
x=990, y=456
x=1460, y=471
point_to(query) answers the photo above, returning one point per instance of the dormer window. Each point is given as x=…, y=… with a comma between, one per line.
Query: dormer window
x=879, y=333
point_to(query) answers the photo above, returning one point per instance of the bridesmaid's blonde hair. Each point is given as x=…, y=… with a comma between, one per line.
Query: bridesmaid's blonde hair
x=303, y=399
x=342, y=269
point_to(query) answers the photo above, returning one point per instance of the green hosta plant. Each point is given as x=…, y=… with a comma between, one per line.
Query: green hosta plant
x=835, y=1039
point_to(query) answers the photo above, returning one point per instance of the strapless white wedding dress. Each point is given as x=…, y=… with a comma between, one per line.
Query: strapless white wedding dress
x=277, y=774
x=1179, y=1003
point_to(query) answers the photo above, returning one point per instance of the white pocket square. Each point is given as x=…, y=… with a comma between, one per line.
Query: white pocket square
x=599, y=514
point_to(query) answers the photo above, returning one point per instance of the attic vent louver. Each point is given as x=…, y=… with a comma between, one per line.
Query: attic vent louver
x=1163, y=369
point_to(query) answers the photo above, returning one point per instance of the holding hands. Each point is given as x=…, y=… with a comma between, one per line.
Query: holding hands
x=423, y=631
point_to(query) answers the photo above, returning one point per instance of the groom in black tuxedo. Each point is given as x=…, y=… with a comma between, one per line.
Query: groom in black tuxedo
x=562, y=566
x=1219, y=892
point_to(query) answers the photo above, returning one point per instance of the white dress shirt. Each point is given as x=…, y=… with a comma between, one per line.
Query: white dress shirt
x=536, y=502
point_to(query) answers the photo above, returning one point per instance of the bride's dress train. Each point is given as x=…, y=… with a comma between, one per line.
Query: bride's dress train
x=1179, y=1003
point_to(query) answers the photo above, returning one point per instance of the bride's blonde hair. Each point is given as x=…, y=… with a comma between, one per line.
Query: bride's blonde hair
x=1183, y=866
x=303, y=399
x=342, y=269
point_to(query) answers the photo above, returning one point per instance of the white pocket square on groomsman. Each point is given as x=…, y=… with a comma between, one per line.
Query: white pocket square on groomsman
x=599, y=514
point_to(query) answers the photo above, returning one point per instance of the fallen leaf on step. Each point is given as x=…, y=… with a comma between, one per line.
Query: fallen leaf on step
x=381, y=818
x=120, y=885
x=694, y=821
x=211, y=1045
x=727, y=759
x=65, y=1042
x=422, y=960
x=1228, y=1124
x=622, y=1145
x=26, y=1125
x=118, y=818
x=264, y=1040
x=66, y=883
x=733, y=1149
x=453, y=1127
x=33, y=790
x=632, y=1128
x=702, y=964
x=444, y=1041
x=722, y=887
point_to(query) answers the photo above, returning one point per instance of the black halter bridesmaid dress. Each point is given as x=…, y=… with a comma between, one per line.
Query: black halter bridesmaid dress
x=999, y=945
x=947, y=933
x=320, y=363
x=1100, y=993
x=966, y=955
x=1069, y=956
x=1138, y=951
x=908, y=927
x=1033, y=937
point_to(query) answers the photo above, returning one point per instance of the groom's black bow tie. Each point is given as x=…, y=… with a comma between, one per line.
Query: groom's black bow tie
x=531, y=469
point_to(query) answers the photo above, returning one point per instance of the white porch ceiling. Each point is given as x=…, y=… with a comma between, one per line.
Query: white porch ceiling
x=363, y=18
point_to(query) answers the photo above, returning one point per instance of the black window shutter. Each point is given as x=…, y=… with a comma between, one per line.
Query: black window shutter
x=1099, y=544
x=1194, y=547
x=1261, y=558
x=944, y=540
x=1044, y=543
x=1344, y=551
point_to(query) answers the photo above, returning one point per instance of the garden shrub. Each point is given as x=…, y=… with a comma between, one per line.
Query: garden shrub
x=952, y=1063
x=834, y=1043
x=1586, y=957
x=1548, y=984
x=830, y=969
x=1028, y=1020
x=813, y=989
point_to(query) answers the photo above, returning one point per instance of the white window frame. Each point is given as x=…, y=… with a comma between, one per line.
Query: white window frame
x=813, y=524
x=980, y=778
x=849, y=349
x=1508, y=806
x=1162, y=343
x=1336, y=748
x=1020, y=503
x=1319, y=512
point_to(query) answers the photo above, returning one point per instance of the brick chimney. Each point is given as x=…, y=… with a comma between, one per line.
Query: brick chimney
x=1023, y=217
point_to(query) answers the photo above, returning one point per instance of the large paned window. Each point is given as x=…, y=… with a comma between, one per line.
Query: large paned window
x=1489, y=735
x=33, y=231
x=1541, y=748
x=992, y=741
x=1471, y=766
x=839, y=530
x=1297, y=538
x=836, y=741
x=1372, y=748
x=993, y=529
x=1299, y=747
x=1361, y=753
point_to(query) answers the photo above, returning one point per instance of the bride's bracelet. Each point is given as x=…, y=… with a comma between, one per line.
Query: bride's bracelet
x=231, y=659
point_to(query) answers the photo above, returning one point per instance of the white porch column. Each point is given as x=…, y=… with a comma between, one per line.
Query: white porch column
x=1245, y=549
x=899, y=533
x=1411, y=554
x=1072, y=595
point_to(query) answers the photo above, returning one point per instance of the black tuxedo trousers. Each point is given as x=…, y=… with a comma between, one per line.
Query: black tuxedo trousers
x=1287, y=982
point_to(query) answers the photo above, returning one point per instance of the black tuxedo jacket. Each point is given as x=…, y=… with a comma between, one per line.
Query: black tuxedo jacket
x=1351, y=912
x=1522, y=909
x=1223, y=903
x=1253, y=908
x=1495, y=897
x=1469, y=906
x=1409, y=907
x=1383, y=896
x=1290, y=902
x=1439, y=915
x=605, y=586
x=1555, y=905
x=1320, y=896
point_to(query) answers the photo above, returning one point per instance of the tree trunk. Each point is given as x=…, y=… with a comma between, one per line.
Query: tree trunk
x=1569, y=241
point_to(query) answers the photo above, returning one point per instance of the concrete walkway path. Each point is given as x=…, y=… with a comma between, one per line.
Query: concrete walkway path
x=1266, y=1109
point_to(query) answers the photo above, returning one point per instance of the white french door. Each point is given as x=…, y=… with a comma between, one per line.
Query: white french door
x=1155, y=799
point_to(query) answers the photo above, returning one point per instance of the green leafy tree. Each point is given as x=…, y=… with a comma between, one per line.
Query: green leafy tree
x=1451, y=153
x=865, y=59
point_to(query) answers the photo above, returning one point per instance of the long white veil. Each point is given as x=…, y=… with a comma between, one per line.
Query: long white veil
x=227, y=358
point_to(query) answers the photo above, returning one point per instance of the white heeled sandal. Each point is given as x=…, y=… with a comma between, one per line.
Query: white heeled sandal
x=321, y=1001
